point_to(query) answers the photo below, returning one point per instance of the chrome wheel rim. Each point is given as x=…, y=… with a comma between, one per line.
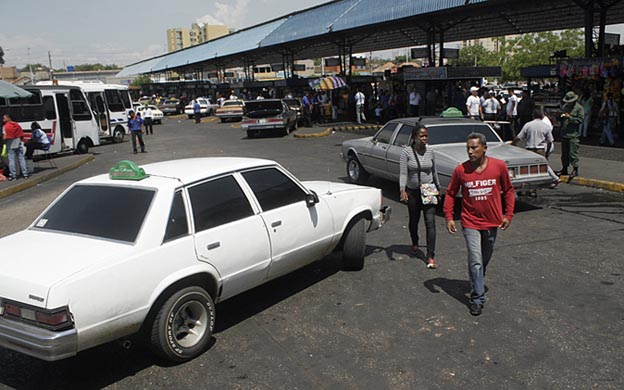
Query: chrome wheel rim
x=354, y=170
x=190, y=324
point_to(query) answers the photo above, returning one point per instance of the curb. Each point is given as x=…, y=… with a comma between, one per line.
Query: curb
x=595, y=183
x=329, y=130
x=23, y=185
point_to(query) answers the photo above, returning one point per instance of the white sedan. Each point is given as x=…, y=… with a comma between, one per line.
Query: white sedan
x=187, y=235
x=157, y=115
x=206, y=108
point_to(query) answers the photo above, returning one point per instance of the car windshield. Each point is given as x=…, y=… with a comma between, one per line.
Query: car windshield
x=458, y=133
x=109, y=212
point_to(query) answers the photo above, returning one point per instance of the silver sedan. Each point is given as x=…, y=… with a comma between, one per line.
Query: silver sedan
x=379, y=155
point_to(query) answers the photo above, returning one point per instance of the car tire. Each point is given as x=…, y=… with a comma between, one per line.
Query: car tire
x=118, y=134
x=251, y=133
x=183, y=326
x=354, y=246
x=190, y=116
x=222, y=120
x=355, y=171
x=82, y=147
x=286, y=129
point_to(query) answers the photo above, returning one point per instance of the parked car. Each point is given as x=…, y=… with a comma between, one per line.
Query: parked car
x=170, y=107
x=152, y=249
x=207, y=108
x=231, y=109
x=268, y=114
x=296, y=105
x=157, y=115
x=380, y=154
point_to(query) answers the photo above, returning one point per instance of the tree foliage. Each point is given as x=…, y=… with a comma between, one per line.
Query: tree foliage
x=522, y=51
x=141, y=80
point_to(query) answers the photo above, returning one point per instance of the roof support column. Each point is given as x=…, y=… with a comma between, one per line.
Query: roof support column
x=441, y=57
x=431, y=46
x=589, y=28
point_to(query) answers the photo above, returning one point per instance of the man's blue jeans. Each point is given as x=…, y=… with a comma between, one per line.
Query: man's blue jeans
x=17, y=154
x=480, y=245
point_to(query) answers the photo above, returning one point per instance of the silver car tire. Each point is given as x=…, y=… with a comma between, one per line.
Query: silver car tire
x=355, y=171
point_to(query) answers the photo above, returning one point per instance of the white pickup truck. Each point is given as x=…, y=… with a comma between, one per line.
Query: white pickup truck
x=151, y=249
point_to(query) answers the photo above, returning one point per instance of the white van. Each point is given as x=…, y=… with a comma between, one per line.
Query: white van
x=110, y=103
x=62, y=111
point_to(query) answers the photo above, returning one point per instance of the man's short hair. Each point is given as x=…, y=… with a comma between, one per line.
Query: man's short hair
x=537, y=113
x=478, y=136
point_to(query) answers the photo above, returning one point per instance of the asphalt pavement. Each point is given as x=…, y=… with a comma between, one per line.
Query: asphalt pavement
x=553, y=320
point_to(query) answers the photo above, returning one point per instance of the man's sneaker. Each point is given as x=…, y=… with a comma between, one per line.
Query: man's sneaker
x=25, y=176
x=11, y=178
x=431, y=264
x=475, y=309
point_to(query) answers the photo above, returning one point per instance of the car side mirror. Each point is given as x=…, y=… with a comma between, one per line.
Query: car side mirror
x=311, y=199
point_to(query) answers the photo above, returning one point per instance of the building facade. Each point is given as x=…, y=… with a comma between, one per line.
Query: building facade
x=181, y=38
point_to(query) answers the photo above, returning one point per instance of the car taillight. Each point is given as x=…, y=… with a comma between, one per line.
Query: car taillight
x=56, y=319
x=543, y=168
x=275, y=119
x=524, y=170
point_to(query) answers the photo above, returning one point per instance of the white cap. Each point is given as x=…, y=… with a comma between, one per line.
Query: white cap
x=474, y=89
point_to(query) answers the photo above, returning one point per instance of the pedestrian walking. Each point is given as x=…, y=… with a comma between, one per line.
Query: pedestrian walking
x=136, y=131
x=609, y=115
x=491, y=106
x=13, y=134
x=306, y=102
x=526, y=105
x=473, y=104
x=482, y=180
x=512, y=109
x=414, y=102
x=571, y=118
x=197, y=111
x=148, y=118
x=419, y=187
x=360, y=102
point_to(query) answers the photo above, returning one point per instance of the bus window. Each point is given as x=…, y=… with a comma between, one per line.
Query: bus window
x=33, y=100
x=114, y=100
x=79, y=105
x=125, y=98
x=48, y=106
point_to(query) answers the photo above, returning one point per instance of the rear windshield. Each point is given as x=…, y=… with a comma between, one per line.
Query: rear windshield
x=109, y=212
x=257, y=105
x=232, y=104
x=449, y=134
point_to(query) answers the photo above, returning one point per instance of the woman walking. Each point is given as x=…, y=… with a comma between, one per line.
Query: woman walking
x=418, y=177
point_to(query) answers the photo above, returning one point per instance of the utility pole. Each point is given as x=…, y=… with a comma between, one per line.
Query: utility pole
x=32, y=76
x=50, y=62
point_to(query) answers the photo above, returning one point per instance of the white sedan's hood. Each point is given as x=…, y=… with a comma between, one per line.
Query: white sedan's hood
x=33, y=261
x=324, y=187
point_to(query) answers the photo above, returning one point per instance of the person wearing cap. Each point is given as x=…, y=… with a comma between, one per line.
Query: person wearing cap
x=571, y=117
x=473, y=104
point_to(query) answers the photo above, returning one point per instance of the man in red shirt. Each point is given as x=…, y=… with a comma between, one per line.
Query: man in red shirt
x=13, y=134
x=482, y=179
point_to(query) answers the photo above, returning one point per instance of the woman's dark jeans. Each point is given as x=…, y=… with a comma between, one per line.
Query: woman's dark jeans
x=414, y=207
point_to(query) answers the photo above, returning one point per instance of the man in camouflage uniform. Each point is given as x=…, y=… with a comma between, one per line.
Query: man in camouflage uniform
x=571, y=117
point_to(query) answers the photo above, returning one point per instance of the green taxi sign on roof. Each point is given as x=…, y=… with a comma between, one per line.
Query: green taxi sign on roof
x=452, y=112
x=127, y=170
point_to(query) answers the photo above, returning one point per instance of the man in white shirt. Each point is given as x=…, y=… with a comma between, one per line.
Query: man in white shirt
x=512, y=107
x=414, y=102
x=490, y=107
x=538, y=138
x=148, y=119
x=360, y=102
x=473, y=104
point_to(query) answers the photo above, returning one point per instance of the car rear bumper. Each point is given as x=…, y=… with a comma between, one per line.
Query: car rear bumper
x=218, y=115
x=266, y=126
x=41, y=343
x=529, y=183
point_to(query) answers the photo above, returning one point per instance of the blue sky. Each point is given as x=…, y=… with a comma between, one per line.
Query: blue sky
x=122, y=32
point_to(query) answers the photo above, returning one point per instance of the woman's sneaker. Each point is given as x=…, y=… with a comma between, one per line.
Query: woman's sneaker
x=431, y=264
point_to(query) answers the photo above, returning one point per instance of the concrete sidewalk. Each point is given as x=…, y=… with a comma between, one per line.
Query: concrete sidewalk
x=44, y=172
x=599, y=167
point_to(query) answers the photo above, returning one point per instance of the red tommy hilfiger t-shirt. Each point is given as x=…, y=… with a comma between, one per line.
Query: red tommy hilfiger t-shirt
x=482, y=206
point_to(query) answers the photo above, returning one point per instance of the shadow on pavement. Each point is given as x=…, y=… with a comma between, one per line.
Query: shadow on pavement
x=458, y=289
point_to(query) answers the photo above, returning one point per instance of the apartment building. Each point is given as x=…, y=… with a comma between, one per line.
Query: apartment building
x=180, y=38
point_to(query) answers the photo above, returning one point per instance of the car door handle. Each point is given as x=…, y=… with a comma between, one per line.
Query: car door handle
x=214, y=245
x=276, y=224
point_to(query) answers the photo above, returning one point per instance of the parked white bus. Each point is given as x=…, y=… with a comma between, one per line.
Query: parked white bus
x=63, y=113
x=111, y=104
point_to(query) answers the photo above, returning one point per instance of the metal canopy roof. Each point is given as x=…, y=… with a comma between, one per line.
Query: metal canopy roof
x=371, y=25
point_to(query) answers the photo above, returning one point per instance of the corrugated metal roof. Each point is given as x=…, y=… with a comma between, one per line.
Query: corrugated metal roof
x=314, y=22
x=367, y=12
x=371, y=25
